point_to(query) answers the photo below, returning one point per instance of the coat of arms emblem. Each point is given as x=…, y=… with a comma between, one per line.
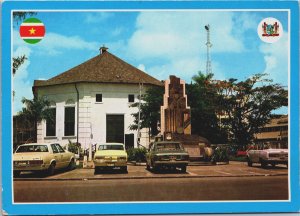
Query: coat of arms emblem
x=270, y=29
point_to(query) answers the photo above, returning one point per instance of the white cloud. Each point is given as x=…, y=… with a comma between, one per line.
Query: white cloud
x=180, y=39
x=97, y=17
x=174, y=34
x=141, y=67
x=53, y=43
x=117, y=31
x=276, y=59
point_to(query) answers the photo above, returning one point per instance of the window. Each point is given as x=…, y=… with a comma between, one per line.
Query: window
x=51, y=122
x=54, y=149
x=69, y=121
x=60, y=149
x=98, y=97
x=131, y=98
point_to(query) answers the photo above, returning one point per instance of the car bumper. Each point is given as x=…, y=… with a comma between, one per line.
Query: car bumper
x=101, y=163
x=171, y=163
x=277, y=161
x=31, y=168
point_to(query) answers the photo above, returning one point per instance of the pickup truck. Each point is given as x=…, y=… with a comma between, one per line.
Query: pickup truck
x=268, y=156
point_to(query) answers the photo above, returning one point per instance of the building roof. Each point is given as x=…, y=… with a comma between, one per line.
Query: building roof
x=103, y=68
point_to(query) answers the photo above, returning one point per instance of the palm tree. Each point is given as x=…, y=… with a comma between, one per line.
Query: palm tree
x=35, y=111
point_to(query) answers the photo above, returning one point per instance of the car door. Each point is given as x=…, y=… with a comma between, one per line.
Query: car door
x=57, y=156
x=65, y=158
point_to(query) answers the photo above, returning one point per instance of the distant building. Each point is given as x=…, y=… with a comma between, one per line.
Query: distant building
x=92, y=101
x=23, y=131
x=275, y=133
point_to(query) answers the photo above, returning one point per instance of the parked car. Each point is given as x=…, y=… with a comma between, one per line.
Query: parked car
x=42, y=157
x=167, y=154
x=110, y=155
x=268, y=156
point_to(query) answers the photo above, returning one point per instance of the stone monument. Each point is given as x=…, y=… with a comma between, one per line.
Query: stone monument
x=176, y=119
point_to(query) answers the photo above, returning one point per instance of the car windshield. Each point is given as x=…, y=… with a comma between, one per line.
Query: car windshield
x=111, y=147
x=168, y=146
x=32, y=148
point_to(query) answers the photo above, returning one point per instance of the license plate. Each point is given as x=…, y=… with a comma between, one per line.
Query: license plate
x=22, y=164
x=110, y=164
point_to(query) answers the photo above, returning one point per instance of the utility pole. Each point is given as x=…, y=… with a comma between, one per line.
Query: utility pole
x=208, y=45
x=139, y=117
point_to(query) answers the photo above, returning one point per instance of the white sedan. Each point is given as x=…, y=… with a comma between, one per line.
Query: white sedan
x=42, y=157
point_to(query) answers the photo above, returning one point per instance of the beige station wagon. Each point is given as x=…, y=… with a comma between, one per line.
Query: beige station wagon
x=42, y=157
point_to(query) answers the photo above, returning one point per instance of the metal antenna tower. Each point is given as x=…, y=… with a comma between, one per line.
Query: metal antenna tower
x=209, y=45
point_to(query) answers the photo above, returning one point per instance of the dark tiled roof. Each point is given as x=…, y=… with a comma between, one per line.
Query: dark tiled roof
x=104, y=68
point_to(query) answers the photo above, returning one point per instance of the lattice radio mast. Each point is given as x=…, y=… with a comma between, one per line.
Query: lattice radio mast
x=209, y=45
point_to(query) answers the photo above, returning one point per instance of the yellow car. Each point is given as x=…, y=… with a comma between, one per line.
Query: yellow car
x=110, y=155
x=42, y=157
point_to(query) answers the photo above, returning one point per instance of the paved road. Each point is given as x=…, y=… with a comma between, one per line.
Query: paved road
x=154, y=189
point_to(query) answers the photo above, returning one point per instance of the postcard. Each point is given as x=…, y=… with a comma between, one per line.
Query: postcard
x=150, y=107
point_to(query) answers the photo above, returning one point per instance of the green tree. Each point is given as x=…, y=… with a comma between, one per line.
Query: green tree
x=248, y=105
x=202, y=98
x=20, y=16
x=35, y=111
x=150, y=110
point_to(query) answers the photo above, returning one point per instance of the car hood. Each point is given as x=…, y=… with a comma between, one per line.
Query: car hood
x=29, y=156
x=277, y=150
x=171, y=152
x=111, y=153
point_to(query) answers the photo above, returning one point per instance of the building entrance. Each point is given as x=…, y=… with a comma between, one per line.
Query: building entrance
x=115, y=128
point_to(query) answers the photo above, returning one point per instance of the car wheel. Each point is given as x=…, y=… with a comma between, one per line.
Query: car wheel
x=263, y=163
x=17, y=173
x=51, y=169
x=183, y=169
x=96, y=170
x=124, y=169
x=72, y=165
x=147, y=166
x=249, y=162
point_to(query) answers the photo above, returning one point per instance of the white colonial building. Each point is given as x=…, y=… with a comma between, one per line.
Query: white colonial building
x=91, y=102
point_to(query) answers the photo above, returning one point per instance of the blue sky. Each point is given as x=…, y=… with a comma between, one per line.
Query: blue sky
x=159, y=42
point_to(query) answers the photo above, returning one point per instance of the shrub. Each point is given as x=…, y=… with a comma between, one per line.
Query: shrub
x=73, y=147
x=137, y=154
x=220, y=154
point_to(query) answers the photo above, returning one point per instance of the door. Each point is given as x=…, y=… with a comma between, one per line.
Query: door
x=57, y=156
x=129, y=141
x=115, y=128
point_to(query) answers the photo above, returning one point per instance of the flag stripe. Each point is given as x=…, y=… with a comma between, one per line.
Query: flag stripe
x=32, y=41
x=32, y=24
x=32, y=31
x=32, y=38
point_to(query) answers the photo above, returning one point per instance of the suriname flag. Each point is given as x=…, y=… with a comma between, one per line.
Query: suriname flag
x=32, y=30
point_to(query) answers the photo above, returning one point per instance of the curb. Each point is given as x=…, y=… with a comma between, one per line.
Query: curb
x=141, y=177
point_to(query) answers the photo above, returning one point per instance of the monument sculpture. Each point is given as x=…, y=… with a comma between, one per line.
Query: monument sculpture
x=176, y=119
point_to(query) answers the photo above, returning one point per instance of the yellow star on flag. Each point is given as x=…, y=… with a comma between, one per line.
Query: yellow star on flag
x=32, y=31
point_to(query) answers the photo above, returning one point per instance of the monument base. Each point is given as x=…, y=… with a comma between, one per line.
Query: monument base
x=193, y=144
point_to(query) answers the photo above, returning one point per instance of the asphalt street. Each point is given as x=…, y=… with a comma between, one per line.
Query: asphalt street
x=164, y=189
x=235, y=181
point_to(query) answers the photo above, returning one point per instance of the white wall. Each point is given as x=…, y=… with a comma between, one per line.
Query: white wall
x=92, y=115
